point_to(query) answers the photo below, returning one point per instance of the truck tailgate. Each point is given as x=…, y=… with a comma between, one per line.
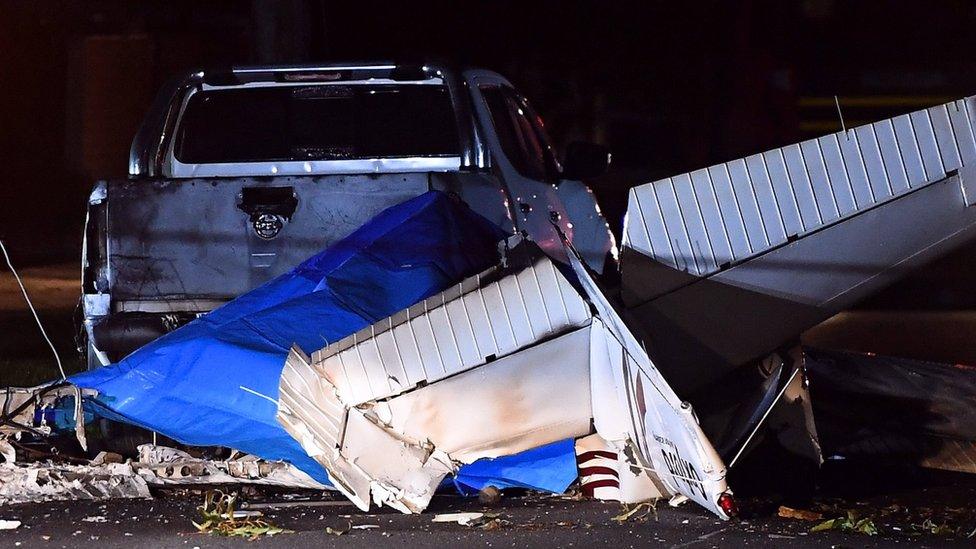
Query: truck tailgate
x=213, y=239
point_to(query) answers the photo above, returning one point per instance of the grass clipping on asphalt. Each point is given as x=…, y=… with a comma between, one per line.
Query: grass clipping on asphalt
x=848, y=523
x=219, y=517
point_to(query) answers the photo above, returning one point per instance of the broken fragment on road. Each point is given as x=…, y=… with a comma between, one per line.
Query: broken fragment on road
x=161, y=465
x=464, y=519
x=799, y=514
x=510, y=359
x=156, y=466
x=39, y=482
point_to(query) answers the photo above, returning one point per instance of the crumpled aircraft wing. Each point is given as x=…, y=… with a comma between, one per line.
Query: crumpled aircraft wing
x=511, y=359
x=723, y=265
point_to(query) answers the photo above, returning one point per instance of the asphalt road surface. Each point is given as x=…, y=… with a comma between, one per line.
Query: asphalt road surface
x=522, y=520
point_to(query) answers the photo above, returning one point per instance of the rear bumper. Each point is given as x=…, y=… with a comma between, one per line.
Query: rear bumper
x=112, y=337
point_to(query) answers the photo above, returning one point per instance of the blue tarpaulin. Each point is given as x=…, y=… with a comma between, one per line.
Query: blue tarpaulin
x=214, y=382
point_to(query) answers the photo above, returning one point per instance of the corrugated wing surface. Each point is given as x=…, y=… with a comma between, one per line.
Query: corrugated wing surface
x=453, y=331
x=703, y=221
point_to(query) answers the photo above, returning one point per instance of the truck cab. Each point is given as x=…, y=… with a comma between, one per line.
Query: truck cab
x=237, y=175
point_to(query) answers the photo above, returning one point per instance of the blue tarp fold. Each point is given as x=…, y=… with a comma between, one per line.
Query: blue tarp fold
x=214, y=382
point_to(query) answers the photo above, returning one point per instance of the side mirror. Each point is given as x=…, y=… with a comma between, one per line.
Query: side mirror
x=584, y=160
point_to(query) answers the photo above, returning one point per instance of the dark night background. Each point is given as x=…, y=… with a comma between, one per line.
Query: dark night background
x=668, y=88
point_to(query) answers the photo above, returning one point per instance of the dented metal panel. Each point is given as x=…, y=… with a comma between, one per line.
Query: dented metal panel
x=452, y=332
x=814, y=184
x=561, y=372
x=396, y=452
x=528, y=399
x=664, y=429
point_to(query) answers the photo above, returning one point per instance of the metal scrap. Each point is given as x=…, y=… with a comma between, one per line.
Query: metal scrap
x=32, y=409
x=50, y=482
x=464, y=519
x=505, y=361
x=161, y=465
x=799, y=514
x=157, y=466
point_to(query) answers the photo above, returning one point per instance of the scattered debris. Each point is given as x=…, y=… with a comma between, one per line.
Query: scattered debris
x=166, y=466
x=287, y=504
x=490, y=496
x=107, y=457
x=634, y=513
x=485, y=521
x=246, y=514
x=338, y=531
x=219, y=517
x=937, y=529
x=107, y=477
x=799, y=514
x=95, y=518
x=9, y=524
x=40, y=411
x=848, y=523
x=492, y=523
x=51, y=482
x=464, y=519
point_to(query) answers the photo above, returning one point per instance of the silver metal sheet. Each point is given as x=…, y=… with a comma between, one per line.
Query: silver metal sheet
x=927, y=145
x=707, y=201
x=748, y=204
x=675, y=223
x=867, y=141
x=798, y=178
x=816, y=169
x=774, y=220
x=786, y=199
x=910, y=154
x=694, y=222
x=796, y=189
x=945, y=138
x=837, y=177
x=731, y=211
x=962, y=126
x=857, y=171
x=891, y=155
x=652, y=234
x=765, y=302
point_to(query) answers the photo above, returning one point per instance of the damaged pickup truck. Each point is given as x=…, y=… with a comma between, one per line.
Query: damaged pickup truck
x=238, y=175
x=380, y=278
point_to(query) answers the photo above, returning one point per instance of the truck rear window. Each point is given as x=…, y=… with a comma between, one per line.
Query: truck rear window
x=325, y=122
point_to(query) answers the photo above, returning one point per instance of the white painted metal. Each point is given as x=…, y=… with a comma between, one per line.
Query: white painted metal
x=664, y=429
x=698, y=222
x=356, y=406
x=453, y=331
